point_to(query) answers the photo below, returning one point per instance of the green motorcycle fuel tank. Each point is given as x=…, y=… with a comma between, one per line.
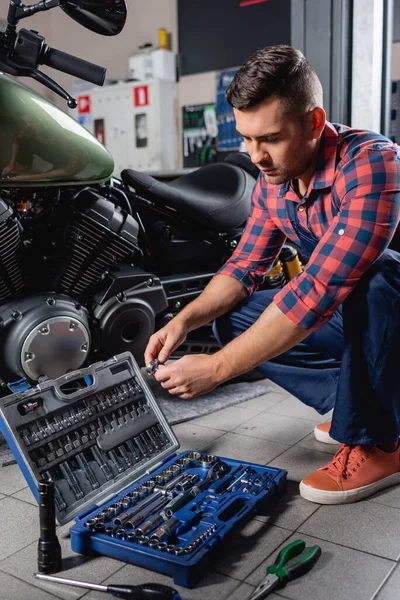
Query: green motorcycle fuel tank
x=40, y=145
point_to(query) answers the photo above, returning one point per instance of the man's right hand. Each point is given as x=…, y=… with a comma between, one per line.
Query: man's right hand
x=164, y=341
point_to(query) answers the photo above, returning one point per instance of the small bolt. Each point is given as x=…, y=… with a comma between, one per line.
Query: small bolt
x=16, y=315
x=28, y=355
x=51, y=301
x=149, y=282
x=84, y=347
x=72, y=325
x=233, y=244
x=121, y=297
x=44, y=330
x=178, y=304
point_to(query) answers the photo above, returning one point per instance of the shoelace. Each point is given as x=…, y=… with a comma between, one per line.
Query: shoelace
x=346, y=461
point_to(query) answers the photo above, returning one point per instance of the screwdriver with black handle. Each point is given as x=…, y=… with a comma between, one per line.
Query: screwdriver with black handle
x=146, y=591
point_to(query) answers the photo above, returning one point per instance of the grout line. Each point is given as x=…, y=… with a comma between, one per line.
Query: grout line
x=343, y=545
x=193, y=421
x=24, y=501
x=384, y=582
x=16, y=552
x=15, y=492
x=34, y=582
x=270, y=554
x=383, y=503
x=297, y=530
x=32, y=585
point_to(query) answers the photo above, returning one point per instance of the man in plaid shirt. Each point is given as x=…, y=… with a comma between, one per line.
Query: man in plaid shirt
x=331, y=336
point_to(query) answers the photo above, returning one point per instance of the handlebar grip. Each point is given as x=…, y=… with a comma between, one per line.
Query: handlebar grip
x=67, y=63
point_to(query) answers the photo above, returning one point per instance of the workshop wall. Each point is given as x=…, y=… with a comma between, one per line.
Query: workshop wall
x=396, y=61
x=144, y=20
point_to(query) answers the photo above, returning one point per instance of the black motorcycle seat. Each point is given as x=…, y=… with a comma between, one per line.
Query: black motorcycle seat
x=217, y=196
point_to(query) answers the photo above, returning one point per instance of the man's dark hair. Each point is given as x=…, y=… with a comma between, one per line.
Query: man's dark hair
x=280, y=71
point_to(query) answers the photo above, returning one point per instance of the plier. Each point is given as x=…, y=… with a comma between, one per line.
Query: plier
x=285, y=569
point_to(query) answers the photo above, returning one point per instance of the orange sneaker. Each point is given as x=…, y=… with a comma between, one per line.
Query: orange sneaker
x=321, y=433
x=354, y=473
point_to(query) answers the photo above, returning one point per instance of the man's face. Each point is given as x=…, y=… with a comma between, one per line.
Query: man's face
x=279, y=144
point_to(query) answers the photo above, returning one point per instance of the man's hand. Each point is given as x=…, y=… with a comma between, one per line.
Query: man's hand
x=164, y=341
x=189, y=376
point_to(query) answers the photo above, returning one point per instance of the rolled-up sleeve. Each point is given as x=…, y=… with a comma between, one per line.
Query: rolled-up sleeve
x=259, y=246
x=368, y=190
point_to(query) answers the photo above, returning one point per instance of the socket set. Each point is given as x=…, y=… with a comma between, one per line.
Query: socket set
x=99, y=434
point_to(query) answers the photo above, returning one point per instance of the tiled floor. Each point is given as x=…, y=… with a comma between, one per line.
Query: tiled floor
x=360, y=542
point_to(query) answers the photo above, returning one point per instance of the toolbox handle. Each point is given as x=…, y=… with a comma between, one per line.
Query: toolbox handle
x=87, y=376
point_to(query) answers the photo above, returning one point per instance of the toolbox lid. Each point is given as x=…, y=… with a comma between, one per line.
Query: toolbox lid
x=105, y=411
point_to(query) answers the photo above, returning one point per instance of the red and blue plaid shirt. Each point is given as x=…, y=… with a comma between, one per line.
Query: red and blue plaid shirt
x=358, y=172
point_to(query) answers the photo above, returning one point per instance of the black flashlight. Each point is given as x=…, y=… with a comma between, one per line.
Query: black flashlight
x=49, y=549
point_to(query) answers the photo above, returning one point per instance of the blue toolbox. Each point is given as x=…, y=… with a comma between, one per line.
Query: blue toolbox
x=99, y=434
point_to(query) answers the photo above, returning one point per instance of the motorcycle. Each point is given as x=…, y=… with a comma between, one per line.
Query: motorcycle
x=91, y=265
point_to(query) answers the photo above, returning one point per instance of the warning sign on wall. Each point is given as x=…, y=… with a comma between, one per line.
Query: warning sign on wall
x=141, y=95
x=83, y=104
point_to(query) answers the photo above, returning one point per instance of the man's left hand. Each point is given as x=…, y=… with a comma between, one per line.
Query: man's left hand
x=189, y=376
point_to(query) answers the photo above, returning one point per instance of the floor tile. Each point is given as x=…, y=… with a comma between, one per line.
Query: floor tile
x=191, y=436
x=11, y=480
x=262, y=403
x=390, y=497
x=74, y=566
x=312, y=444
x=242, y=447
x=15, y=589
x=290, y=510
x=275, y=386
x=390, y=589
x=276, y=428
x=300, y=462
x=20, y=528
x=227, y=418
x=340, y=574
x=246, y=548
x=364, y=525
x=213, y=586
x=243, y=591
x=26, y=496
x=292, y=407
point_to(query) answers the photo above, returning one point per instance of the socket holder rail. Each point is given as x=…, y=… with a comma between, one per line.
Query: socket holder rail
x=100, y=436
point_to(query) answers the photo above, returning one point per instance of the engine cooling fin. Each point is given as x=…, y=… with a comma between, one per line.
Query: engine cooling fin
x=96, y=241
x=11, y=277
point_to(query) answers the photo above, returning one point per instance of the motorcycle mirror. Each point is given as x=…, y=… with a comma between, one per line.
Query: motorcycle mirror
x=106, y=17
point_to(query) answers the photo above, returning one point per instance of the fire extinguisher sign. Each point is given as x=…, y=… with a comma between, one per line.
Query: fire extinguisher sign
x=141, y=95
x=83, y=105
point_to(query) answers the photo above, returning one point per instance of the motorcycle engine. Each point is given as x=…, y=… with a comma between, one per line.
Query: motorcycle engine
x=46, y=284
x=44, y=334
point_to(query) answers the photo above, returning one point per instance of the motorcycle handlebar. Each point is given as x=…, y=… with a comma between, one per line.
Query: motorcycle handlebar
x=67, y=63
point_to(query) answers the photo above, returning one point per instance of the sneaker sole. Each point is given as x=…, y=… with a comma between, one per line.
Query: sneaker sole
x=324, y=437
x=326, y=497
